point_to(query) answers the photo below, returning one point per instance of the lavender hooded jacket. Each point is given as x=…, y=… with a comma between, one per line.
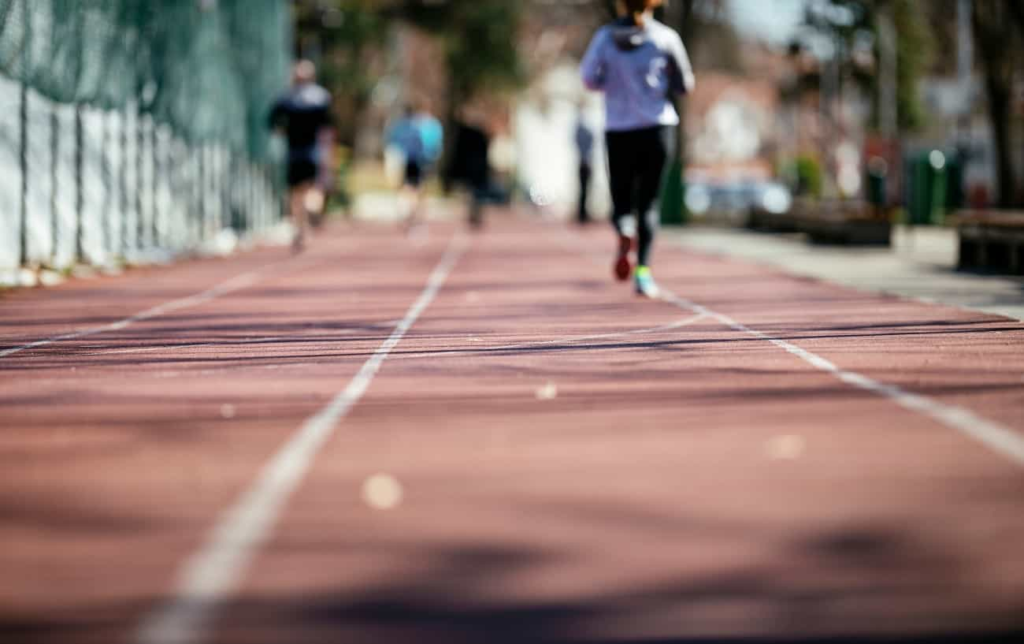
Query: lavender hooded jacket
x=639, y=69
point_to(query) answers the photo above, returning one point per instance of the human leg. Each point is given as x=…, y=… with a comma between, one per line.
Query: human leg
x=301, y=181
x=412, y=194
x=621, y=175
x=657, y=145
x=297, y=209
x=583, y=216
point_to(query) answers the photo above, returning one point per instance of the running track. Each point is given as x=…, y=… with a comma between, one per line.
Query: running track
x=185, y=452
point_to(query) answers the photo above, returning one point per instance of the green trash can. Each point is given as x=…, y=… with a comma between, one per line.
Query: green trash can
x=928, y=187
x=935, y=186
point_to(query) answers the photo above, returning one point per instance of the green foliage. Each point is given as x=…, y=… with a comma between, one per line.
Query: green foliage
x=340, y=35
x=913, y=54
x=207, y=73
x=480, y=42
x=348, y=40
x=807, y=173
x=852, y=26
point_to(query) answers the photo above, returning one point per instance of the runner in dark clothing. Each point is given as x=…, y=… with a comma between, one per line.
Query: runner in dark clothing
x=304, y=114
x=470, y=167
x=639, y=64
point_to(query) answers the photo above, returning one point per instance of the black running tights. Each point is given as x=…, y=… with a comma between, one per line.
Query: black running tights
x=636, y=165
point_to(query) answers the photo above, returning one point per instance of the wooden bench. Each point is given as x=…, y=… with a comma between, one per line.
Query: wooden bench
x=991, y=240
x=829, y=222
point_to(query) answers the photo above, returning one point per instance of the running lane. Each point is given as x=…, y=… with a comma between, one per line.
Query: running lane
x=121, y=446
x=546, y=458
x=575, y=465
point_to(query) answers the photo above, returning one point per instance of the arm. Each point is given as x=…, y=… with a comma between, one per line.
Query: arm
x=683, y=80
x=275, y=120
x=592, y=67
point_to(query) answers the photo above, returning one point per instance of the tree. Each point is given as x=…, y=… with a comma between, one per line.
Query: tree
x=1017, y=9
x=479, y=39
x=345, y=38
x=997, y=38
x=852, y=28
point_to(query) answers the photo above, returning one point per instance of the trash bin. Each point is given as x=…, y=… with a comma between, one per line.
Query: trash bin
x=877, y=185
x=934, y=187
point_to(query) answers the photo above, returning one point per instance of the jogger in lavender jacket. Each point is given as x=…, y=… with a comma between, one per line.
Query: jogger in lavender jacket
x=640, y=64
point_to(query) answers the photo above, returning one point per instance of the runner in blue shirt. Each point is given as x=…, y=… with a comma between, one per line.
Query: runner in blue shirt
x=639, y=64
x=420, y=138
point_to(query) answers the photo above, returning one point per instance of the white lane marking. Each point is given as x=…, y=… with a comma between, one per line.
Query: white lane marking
x=999, y=438
x=236, y=283
x=213, y=572
x=996, y=437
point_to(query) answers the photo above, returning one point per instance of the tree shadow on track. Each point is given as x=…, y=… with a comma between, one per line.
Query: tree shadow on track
x=419, y=612
x=856, y=580
x=67, y=517
x=453, y=598
x=686, y=340
x=577, y=399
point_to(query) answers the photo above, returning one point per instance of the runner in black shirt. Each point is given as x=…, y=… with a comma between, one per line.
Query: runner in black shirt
x=304, y=114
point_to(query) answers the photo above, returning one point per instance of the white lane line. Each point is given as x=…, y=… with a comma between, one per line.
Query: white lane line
x=236, y=283
x=214, y=572
x=995, y=436
x=998, y=438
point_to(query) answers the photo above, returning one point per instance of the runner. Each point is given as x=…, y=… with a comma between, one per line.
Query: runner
x=420, y=138
x=639, y=63
x=470, y=164
x=304, y=113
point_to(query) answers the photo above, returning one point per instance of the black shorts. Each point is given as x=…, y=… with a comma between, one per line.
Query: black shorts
x=300, y=172
x=413, y=174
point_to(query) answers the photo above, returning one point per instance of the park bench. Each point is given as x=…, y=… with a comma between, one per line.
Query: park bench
x=991, y=240
x=852, y=222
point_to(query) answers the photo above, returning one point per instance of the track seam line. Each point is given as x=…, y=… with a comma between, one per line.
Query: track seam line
x=997, y=437
x=678, y=324
x=231, y=285
x=215, y=570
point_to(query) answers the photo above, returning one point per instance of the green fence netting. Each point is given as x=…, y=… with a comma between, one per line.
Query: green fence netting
x=135, y=124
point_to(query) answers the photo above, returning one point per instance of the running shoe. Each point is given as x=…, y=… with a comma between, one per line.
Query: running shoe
x=622, y=266
x=645, y=284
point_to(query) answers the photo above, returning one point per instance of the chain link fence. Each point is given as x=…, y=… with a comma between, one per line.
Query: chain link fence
x=128, y=126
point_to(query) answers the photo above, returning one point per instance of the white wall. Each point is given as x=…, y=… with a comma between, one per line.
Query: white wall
x=107, y=218
x=545, y=127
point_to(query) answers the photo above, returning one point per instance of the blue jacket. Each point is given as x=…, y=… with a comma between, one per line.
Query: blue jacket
x=420, y=138
x=639, y=69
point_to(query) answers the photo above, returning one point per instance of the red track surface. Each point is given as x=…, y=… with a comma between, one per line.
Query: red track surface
x=578, y=465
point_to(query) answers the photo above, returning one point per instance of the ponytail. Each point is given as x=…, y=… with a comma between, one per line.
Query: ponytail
x=636, y=9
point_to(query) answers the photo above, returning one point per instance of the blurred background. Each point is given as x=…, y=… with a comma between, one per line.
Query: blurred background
x=131, y=128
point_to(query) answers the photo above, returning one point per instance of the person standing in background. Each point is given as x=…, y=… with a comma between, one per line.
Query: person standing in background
x=585, y=149
x=304, y=114
x=640, y=64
